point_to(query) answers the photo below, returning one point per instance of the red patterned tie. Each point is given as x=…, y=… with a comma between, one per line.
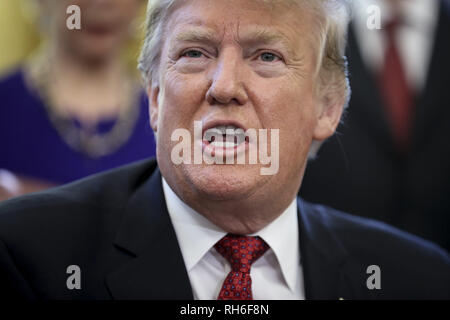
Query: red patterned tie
x=395, y=90
x=241, y=252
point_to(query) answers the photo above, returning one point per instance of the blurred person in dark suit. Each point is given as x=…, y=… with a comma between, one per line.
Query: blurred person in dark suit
x=75, y=107
x=221, y=229
x=391, y=157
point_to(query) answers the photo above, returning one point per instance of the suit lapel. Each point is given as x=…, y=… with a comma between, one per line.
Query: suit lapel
x=324, y=261
x=155, y=267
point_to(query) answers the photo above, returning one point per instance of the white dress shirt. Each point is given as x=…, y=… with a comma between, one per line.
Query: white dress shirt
x=277, y=275
x=414, y=38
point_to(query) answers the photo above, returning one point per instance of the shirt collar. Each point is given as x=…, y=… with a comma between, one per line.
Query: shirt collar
x=282, y=237
x=197, y=235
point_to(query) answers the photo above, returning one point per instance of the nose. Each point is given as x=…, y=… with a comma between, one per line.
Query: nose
x=227, y=83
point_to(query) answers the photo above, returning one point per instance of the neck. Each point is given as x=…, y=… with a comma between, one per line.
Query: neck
x=75, y=67
x=88, y=89
x=244, y=216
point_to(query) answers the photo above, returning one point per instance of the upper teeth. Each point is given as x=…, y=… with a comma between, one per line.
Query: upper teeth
x=225, y=129
x=225, y=136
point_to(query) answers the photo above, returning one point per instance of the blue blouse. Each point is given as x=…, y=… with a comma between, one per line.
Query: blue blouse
x=31, y=146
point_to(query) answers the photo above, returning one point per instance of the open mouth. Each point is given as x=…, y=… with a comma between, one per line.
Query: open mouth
x=225, y=136
x=224, y=139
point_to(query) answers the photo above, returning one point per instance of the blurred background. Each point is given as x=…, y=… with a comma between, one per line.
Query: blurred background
x=71, y=105
x=390, y=159
x=21, y=32
x=71, y=101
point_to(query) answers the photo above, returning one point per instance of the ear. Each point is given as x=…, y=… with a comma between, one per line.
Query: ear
x=331, y=106
x=153, y=93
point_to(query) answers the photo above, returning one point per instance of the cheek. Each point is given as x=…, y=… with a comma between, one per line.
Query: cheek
x=182, y=98
x=289, y=106
x=180, y=93
x=291, y=109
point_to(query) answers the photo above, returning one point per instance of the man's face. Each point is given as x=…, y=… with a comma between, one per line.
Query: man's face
x=242, y=63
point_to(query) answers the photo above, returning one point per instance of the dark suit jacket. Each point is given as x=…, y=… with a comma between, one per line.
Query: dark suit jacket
x=116, y=228
x=360, y=171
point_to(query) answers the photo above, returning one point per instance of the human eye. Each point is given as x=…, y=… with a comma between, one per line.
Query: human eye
x=192, y=53
x=267, y=63
x=268, y=56
x=193, y=60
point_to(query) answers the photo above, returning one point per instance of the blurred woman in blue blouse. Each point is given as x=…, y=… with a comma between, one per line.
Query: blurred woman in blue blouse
x=75, y=108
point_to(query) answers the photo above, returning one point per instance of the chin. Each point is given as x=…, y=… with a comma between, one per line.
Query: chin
x=95, y=49
x=225, y=182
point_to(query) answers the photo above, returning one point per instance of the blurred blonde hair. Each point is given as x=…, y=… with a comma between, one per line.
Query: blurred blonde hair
x=23, y=31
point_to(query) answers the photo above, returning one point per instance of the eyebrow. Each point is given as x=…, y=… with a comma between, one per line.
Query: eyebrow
x=251, y=36
x=198, y=35
x=255, y=36
x=261, y=36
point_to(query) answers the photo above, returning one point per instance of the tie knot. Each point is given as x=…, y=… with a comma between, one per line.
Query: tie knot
x=241, y=251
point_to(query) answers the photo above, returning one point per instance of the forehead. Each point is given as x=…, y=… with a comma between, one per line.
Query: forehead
x=281, y=20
